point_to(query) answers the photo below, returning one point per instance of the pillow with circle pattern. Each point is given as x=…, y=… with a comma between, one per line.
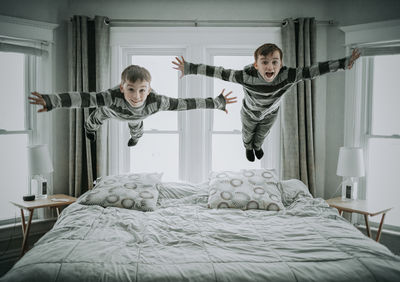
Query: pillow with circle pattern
x=246, y=189
x=136, y=191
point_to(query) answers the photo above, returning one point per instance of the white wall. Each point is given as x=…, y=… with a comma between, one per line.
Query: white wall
x=330, y=109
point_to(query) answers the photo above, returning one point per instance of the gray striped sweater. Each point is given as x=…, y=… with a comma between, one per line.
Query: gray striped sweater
x=118, y=107
x=262, y=97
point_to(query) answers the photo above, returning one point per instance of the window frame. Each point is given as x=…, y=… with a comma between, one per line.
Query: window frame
x=367, y=135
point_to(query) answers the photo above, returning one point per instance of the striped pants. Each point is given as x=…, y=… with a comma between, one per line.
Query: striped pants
x=98, y=116
x=254, y=132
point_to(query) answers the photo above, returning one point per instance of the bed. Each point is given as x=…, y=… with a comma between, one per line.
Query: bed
x=186, y=236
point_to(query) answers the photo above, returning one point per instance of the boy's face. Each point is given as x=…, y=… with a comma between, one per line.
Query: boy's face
x=135, y=92
x=269, y=66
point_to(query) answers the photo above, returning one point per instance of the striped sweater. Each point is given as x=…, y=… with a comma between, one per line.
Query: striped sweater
x=262, y=97
x=113, y=99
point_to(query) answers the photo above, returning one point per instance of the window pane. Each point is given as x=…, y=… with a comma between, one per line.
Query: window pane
x=12, y=81
x=13, y=172
x=231, y=121
x=383, y=171
x=164, y=82
x=386, y=96
x=229, y=153
x=157, y=153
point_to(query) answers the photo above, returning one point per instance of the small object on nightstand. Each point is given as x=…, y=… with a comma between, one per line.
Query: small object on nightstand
x=28, y=197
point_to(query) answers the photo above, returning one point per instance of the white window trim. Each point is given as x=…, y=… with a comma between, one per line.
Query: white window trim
x=192, y=40
x=357, y=91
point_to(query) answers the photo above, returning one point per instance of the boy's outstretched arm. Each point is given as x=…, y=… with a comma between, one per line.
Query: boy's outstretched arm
x=219, y=72
x=71, y=100
x=311, y=72
x=184, y=104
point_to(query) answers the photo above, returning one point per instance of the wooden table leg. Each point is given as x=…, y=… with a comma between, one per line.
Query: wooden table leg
x=26, y=230
x=340, y=212
x=23, y=225
x=378, y=235
x=367, y=225
x=58, y=211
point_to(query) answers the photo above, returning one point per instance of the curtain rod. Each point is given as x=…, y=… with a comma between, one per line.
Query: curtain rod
x=209, y=23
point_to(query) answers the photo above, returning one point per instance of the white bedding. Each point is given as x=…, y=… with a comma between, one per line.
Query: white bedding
x=183, y=240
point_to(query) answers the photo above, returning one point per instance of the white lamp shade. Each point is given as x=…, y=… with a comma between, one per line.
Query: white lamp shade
x=350, y=162
x=39, y=160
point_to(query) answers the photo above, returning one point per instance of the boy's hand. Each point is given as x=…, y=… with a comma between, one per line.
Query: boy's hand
x=38, y=100
x=228, y=100
x=180, y=65
x=354, y=56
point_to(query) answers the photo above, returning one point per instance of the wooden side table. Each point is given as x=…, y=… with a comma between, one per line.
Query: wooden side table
x=363, y=207
x=30, y=206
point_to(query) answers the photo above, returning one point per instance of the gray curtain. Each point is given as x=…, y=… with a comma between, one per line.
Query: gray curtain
x=89, y=71
x=297, y=108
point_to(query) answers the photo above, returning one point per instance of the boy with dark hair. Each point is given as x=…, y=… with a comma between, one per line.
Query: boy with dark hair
x=264, y=83
x=133, y=100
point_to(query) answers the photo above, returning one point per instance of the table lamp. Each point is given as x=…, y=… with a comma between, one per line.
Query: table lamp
x=351, y=167
x=39, y=163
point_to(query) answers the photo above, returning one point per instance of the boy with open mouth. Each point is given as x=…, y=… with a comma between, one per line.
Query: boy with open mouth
x=264, y=83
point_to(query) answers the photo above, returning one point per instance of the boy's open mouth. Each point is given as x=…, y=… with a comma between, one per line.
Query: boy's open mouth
x=269, y=74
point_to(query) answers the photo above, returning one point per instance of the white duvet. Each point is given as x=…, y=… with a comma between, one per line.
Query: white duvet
x=183, y=240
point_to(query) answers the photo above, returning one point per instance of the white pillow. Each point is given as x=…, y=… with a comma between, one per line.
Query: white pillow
x=247, y=189
x=293, y=189
x=131, y=191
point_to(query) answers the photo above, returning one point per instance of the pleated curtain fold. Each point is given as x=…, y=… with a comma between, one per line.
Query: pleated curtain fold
x=297, y=107
x=88, y=71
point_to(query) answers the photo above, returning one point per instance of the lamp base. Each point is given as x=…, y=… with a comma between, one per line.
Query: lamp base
x=349, y=189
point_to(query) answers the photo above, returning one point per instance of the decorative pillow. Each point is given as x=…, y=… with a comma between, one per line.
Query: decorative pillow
x=247, y=189
x=130, y=191
x=293, y=189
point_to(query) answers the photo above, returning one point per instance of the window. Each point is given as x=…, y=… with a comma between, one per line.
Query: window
x=187, y=145
x=227, y=146
x=159, y=146
x=371, y=112
x=383, y=138
x=14, y=129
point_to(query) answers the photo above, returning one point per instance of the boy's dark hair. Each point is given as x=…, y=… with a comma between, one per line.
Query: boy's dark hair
x=133, y=73
x=266, y=49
